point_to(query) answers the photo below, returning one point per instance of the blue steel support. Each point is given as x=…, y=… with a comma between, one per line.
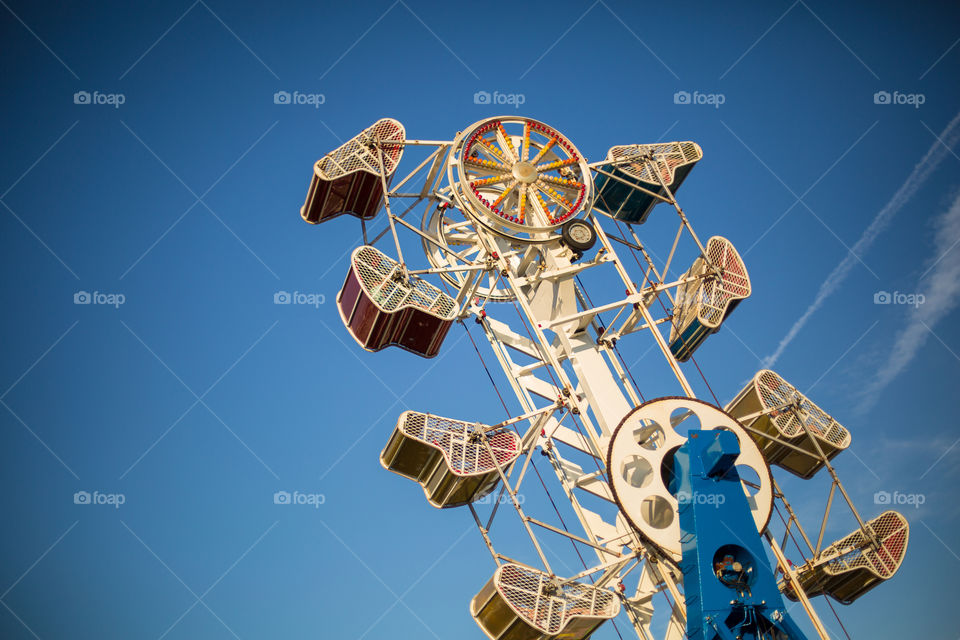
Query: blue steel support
x=731, y=592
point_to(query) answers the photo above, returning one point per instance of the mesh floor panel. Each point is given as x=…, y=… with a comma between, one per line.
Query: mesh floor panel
x=775, y=392
x=360, y=152
x=465, y=455
x=666, y=158
x=380, y=276
x=853, y=551
x=708, y=298
x=548, y=608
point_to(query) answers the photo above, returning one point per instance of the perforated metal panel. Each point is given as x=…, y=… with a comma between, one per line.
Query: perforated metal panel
x=642, y=165
x=789, y=410
x=851, y=566
x=381, y=278
x=350, y=180
x=853, y=551
x=522, y=602
x=359, y=153
x=466, y=454
x=664, y=159
x=450, y=459
x=719, y=282
x=773, y=408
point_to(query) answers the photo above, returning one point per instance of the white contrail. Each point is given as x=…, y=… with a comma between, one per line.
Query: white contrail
x=941, y=147
x=941, y=296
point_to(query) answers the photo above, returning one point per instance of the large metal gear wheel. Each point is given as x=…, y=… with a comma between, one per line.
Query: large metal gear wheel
x=640, y=464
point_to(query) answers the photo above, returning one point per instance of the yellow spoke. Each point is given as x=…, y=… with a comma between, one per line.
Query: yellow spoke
x=523, y=202
x=566, y=204
x=485, y=182
x=557, y=164
x=487, y=164
x=543, y=204
x=526, y=141
x=508, y=142
x=545, y=149
x=491, y=146
x=503, y=195
x=563, y=182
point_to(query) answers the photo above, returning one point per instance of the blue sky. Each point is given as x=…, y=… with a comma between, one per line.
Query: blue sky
x=178, y=186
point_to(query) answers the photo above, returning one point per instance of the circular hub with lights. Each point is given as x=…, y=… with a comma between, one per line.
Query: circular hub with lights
x=519, y=177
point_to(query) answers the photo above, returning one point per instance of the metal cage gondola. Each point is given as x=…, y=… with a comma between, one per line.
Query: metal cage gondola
x=522, y=603
x=348, y=179
x=451, y=459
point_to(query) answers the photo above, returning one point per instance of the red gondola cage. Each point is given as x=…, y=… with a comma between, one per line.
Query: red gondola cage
x=851, y=566
x=380, y=306
x=348, y=179
x=450, y=459
x=522, y=603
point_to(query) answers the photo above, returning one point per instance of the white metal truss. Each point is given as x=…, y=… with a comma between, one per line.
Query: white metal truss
x=558, y=351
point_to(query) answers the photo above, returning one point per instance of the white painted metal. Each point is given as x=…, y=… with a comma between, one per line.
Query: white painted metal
x=640, y=457
x=560, y=364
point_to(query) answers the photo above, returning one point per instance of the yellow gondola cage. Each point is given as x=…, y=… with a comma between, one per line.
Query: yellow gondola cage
x=851, y=566
x=522, y=603
x=771, y=405
x=450, y=459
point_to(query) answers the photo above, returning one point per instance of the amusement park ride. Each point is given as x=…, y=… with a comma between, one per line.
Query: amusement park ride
x=673, y=495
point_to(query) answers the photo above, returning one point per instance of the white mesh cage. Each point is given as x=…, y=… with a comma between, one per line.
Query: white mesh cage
x=855, y=551
x=789, y=410
x=465, y=452
x=360, y=153
x=718, y=281
x=381, y=277
x=547, y=606
x=664, y=159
